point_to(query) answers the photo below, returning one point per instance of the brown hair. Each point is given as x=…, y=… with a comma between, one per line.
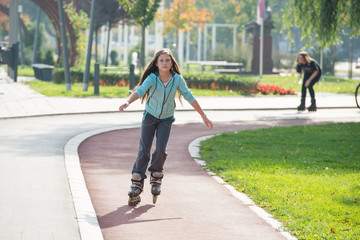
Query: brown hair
x=305, y=55
x=152, y=68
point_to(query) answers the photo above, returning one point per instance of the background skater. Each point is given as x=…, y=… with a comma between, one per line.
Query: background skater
x=312, y=74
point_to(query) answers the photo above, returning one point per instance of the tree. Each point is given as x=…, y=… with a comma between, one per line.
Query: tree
x=323, y=20
x=182, y=15
x=143, y=13
x=79, y=21
x=106, y=12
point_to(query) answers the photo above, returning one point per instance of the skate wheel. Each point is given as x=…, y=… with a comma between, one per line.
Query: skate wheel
x=129, y=202
x=154, y=199
x=134, y=201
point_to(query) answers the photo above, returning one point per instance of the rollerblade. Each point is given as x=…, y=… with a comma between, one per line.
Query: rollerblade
x=312, y=107
x=155, y=181
x=301, y=107
x=135, y=189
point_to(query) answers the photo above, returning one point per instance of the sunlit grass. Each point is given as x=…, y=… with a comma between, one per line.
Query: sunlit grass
x=307, y=177
x=52, y=89
x=329, y=84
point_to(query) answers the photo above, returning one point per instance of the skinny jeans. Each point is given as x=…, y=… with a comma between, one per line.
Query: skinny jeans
x=151, y=127
x=310, y=87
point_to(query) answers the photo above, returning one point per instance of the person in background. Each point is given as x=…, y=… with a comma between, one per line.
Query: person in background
x=312, y=73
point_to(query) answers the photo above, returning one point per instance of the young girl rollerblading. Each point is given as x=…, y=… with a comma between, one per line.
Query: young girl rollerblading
x=312, y=74
x=158, y=86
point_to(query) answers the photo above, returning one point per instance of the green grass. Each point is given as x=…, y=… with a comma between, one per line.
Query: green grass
x=330, y=83
x=216, y=93
x=27, y=71
x=308, y=177
x=59, y=90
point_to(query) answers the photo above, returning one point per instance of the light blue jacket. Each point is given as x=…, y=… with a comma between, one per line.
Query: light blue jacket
x=161, y=101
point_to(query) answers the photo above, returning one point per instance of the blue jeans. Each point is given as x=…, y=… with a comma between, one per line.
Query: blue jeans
x=149, y=127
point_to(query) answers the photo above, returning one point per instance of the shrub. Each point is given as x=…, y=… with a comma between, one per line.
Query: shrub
x=222, y=82
x=49, y=59
x=106, y=79
x=114, y=57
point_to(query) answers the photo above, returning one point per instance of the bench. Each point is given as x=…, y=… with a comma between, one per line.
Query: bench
x=227, y=67
x=115, y=69
x=43, y=71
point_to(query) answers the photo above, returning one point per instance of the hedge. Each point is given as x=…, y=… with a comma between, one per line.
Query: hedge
x=77, y=75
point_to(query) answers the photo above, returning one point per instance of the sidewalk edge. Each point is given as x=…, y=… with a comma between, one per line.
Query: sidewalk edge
x=85, y=213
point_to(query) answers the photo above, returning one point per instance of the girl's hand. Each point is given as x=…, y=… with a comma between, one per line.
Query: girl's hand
x=207, y=122
x=123, y=106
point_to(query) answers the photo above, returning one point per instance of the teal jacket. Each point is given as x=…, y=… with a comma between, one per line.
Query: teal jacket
x=161, y=101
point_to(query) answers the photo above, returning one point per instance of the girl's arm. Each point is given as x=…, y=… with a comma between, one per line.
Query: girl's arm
x=307, y=83
x=133, y=97
x=197, y=107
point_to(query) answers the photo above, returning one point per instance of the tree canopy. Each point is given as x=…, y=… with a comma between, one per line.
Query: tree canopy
x=142, y=13
x=323, y=21
x=182, y=15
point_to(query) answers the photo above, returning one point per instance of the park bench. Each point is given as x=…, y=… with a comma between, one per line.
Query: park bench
x=114, y=69
x=226, y=67
x=43, y=71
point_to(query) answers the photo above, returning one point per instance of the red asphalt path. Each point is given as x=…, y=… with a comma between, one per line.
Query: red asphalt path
x=192, y=205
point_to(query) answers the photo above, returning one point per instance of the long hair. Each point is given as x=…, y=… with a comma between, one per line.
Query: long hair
x=152, y=68
x=305, y=55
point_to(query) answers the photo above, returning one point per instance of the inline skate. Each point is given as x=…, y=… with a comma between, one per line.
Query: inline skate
x=155, y=181
x=301, y=107
x=135, y=189
x=312, y=107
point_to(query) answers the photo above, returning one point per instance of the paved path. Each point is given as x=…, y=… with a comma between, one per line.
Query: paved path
x=37, y=202
x=192, y=204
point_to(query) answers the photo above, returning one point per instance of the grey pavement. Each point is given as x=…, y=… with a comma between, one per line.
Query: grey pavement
x=18, y=100
x=36, y=200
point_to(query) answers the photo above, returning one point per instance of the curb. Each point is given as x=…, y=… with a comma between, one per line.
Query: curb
x=89, y=227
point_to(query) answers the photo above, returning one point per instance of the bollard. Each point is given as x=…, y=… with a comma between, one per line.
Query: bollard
x=132, y=76
x=96, y=78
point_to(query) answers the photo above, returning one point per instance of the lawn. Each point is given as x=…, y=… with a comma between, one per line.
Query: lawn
x=329, y=84
x=52, y=89
x=306, y=176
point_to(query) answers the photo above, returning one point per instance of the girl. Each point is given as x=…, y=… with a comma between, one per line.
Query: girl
x=312, y=74
x=158, y=86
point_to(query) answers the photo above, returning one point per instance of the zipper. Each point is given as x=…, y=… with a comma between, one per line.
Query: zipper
x=162, y=107
x=165, y=99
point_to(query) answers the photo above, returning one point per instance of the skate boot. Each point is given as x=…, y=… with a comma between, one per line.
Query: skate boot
x=301, y=107
x=312, y=107
x=155, y=181
x=135, y=189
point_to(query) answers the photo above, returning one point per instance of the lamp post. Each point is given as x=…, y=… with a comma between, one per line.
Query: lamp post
x=64, y=46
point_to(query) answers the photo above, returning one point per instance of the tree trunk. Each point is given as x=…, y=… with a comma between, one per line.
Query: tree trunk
x=107, y=46
x=142, y=54
x=351, y=49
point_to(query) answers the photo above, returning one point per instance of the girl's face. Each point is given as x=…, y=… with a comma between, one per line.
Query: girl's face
x=164, y=63
x=301, y=59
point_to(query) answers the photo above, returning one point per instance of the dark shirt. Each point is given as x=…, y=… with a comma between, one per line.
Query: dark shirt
x=308, y=68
